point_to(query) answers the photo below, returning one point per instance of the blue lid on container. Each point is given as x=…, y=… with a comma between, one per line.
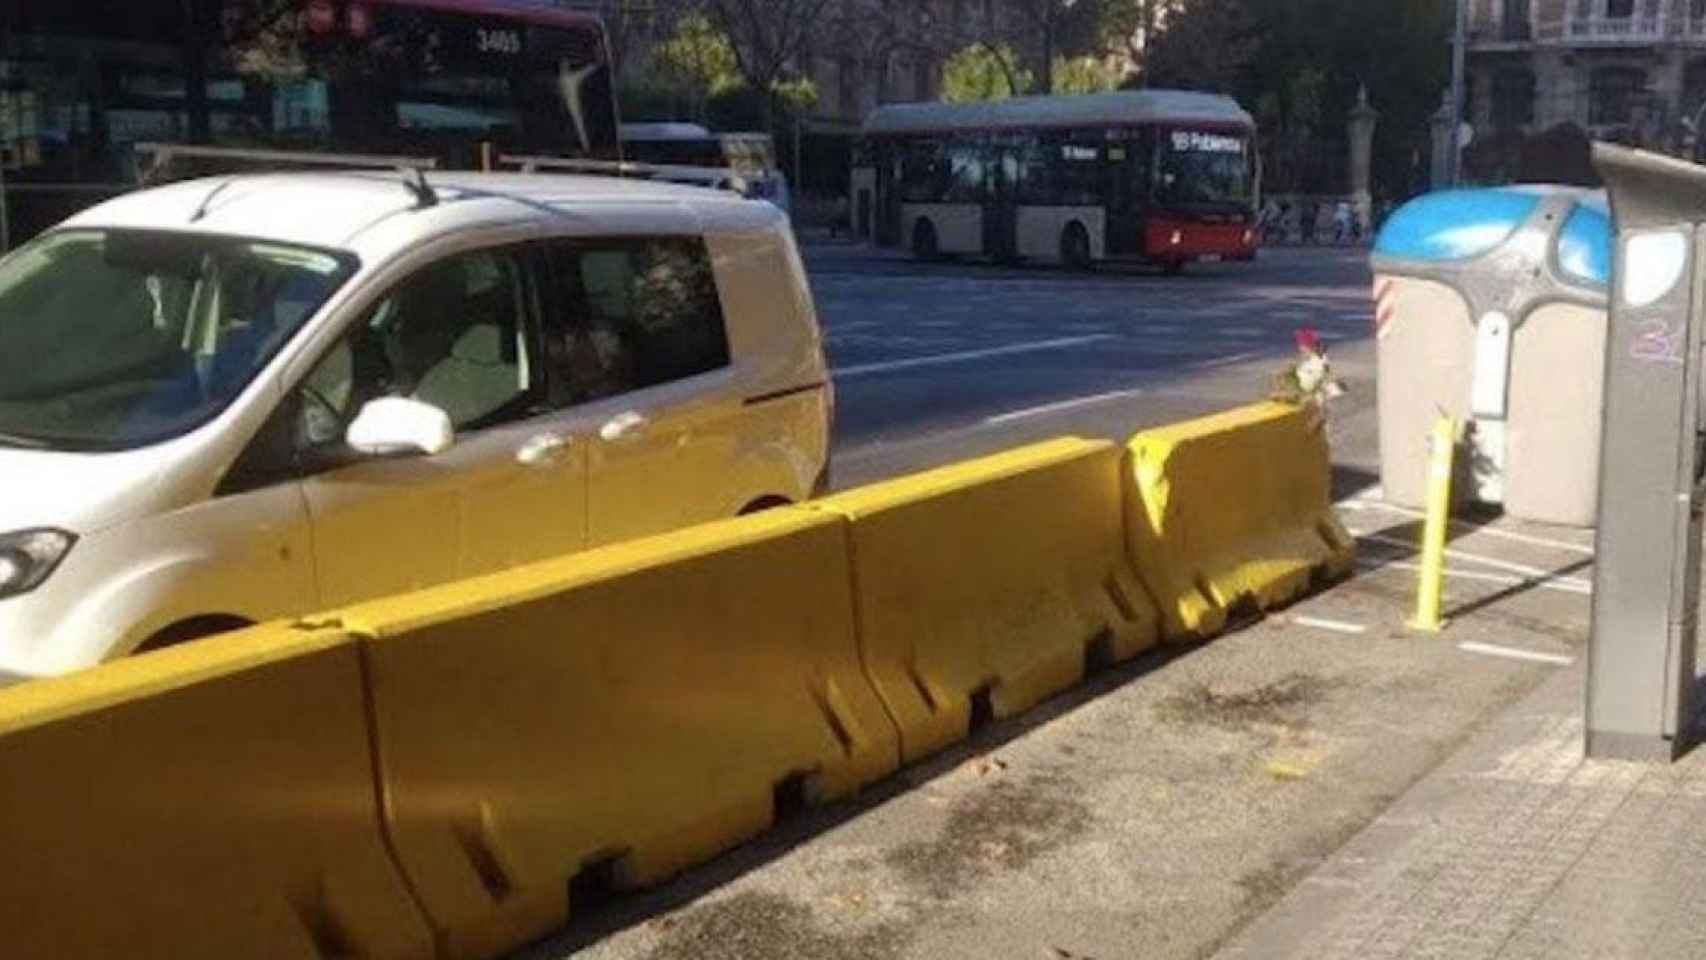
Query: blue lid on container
x=1456, y=224
x=1584, y=245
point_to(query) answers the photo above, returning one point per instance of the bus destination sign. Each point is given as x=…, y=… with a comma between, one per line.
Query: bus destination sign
x=1195, y=141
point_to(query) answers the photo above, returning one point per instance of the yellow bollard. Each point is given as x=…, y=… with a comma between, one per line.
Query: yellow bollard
x=1442, y=445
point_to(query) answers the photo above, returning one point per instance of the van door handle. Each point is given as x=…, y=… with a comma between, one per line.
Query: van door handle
x=624, y=427
x=543, y=448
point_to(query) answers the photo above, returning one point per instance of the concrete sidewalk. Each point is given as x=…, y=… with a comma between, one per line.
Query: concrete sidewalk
x=1516, y=847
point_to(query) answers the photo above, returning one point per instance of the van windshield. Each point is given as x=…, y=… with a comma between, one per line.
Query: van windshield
x=114, y=339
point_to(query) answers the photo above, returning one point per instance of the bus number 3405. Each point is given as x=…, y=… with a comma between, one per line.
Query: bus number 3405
x=499, y=41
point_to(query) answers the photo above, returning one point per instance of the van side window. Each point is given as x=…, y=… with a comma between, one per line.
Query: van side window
x=633, y=313
x=458, y=335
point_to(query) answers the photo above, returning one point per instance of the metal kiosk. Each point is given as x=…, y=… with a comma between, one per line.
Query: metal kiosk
x=1641, y=666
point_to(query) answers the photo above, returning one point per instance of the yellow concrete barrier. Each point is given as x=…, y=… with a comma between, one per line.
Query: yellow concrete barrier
x=632, y=709
x=1232, y=508
x=991, y=581
x=215, y=800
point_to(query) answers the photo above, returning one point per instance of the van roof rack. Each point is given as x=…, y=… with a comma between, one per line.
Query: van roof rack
x=164, y=153
x=716, y=178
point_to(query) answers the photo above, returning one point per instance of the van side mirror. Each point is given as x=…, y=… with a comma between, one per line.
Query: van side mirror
x=400, y=426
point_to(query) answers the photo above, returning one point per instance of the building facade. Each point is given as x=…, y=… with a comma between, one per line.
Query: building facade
x=1631, y=70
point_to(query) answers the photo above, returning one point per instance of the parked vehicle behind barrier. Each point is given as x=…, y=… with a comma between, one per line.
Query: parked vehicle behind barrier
x=233, y=400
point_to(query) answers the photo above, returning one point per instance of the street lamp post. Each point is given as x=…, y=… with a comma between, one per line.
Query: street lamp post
x=1459, y=41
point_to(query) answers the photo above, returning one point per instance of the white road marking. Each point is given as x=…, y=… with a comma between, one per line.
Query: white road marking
x=1511, y=653
x=1503, y=579
x=1336, y=626
x=945, y=359
x=1063, y=405
x=1233, y=360
x=1243, y=332
x=1359, y=505
x=1534, y=573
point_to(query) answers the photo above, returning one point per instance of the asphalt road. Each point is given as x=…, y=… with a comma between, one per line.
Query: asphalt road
x=934, y=362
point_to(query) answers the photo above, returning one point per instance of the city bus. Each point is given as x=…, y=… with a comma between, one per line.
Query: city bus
x=1158, y=176
x=449, y=83
x=750, y=156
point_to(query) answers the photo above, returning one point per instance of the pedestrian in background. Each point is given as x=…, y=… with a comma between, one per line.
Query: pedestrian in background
x=1306, y=217
x=1342, y=222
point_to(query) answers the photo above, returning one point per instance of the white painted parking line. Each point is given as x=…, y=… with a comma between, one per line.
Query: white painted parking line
x=1063, y=405
x=1336, y=626
x=1503, y=579
x=1533, y=573
x=1512, y=653
x=1361, y=505
x=945, y=359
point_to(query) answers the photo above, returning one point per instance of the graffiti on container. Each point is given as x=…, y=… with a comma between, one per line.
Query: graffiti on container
x=1659, y=341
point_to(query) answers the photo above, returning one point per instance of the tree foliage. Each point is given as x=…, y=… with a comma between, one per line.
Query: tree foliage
x=1201, y=45
x=767, y=36
x=699, y=56
x=1085, y=74
x=984, y=71
x=1053, y=29
x=1297, y=64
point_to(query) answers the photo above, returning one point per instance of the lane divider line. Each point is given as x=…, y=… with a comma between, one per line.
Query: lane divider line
x=945, y=359
x=1063, y=405
x=1236, y=358
x=1335, y=626
x=1512, y=653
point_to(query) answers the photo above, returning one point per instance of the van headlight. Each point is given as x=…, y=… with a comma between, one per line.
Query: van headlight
x=28, y=557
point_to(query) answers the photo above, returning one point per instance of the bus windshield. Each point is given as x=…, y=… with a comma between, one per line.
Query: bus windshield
x=1196, y=168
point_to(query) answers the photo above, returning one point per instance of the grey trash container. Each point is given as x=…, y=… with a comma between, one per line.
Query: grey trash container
x=1490, y=304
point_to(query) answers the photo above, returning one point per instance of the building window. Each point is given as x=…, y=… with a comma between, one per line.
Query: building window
x=1514, y=24
x=1513, y=99
x=1611, y=94
x=1620, y=9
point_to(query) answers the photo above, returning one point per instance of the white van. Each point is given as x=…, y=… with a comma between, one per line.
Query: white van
x=232, y=400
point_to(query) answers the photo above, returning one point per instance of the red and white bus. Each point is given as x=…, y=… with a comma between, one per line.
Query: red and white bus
x=1163, y=176
x=452, y=83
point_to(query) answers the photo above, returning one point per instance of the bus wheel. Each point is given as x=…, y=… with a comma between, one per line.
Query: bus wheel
x=1075, y=247
x=924, y=245
x=1174, y=267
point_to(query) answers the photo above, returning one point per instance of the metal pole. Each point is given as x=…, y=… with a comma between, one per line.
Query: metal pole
x=1460, y=39
x=1441, y=447
x=5, y=225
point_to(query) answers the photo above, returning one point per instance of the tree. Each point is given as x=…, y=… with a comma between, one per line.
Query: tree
x=1059, y=26
x=1127, y=26
x=767, y=36
x=1200, y=45
x=700, y=60
x=984, y=71
x=1084, y=74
